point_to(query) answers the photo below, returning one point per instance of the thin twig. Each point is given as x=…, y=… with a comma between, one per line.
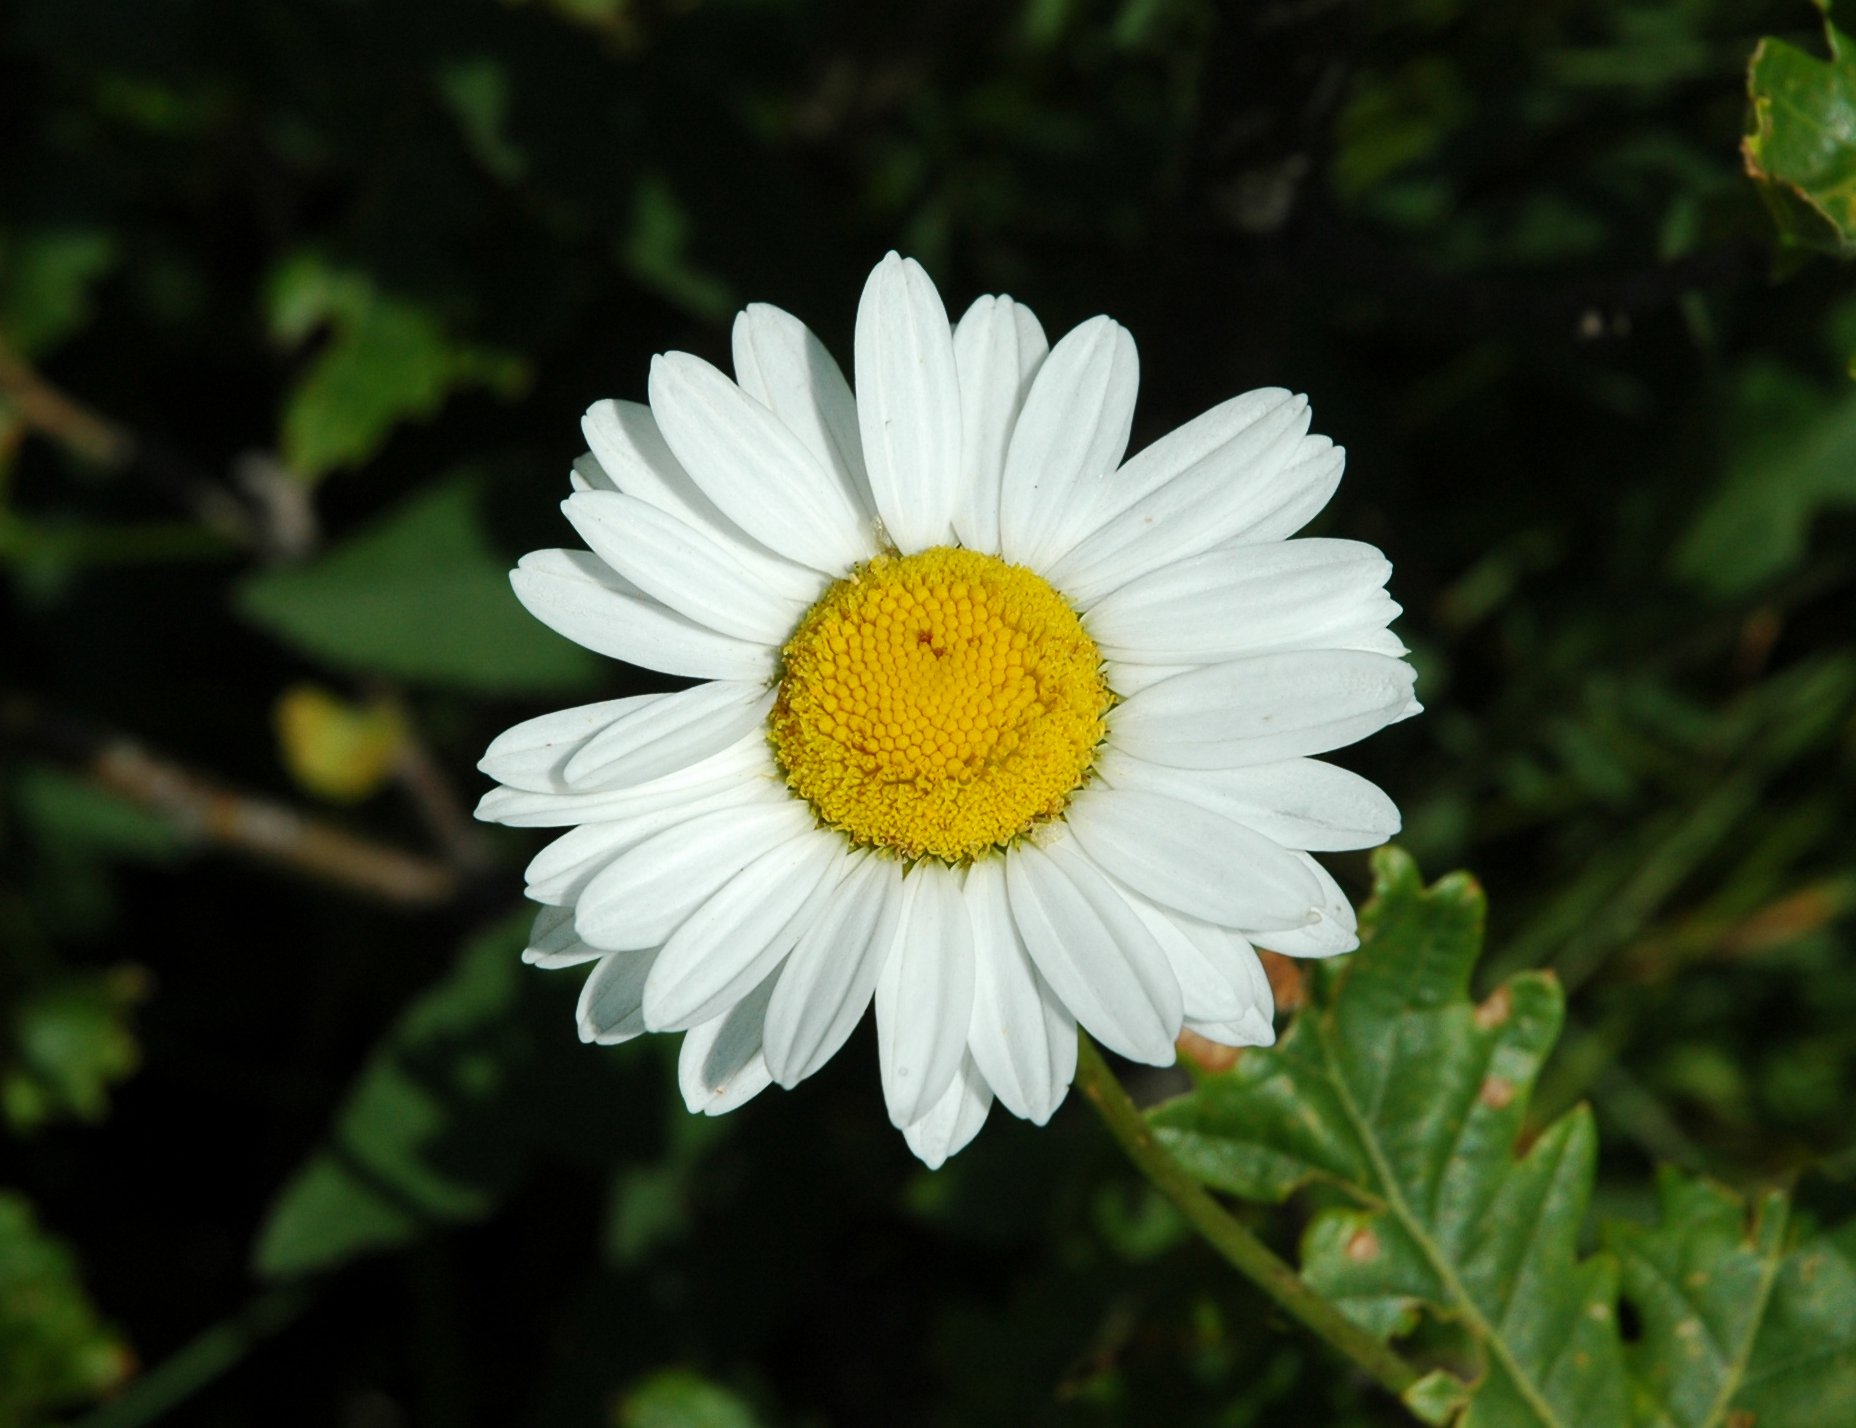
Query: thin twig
x=201, y=807
x=1239, y=1247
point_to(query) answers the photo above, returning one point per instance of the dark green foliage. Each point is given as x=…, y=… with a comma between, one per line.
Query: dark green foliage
x=1396, y=1090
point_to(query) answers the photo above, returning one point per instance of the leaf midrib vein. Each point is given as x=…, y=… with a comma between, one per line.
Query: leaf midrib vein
x=1395, y=1201
x=1769, y=1274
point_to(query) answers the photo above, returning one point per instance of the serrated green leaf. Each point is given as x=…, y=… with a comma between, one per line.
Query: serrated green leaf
x=1801, y=148
x=54, y=1350
x=1738, y=1325
x=419, y=596
x=1397, y=1091
x=424, y=1136
x=387, y=360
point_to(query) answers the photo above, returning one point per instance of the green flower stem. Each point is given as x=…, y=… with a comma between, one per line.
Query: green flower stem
x=1242, y=1250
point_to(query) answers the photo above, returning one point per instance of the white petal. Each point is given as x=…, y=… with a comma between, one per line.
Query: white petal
x=1251, y=1029
x=1264, y=484
x=742, y=773
x=611, y=1007
x=578, y=595
x=1338, y=930
x=784, y=367
x=644, y=895
x=662, y=733
x=588, y=475
x=1299, y=803
x=720, y=1065
x=827, y=982
x=1242, y=600
x=924, y=993
x=1070, y=435
x=1095, y=953
x=640, y=463
x=1216, y=967
x=1191, y=859
x=739, y=935
x=686, y=568
x=952, y=1121
x=756, y=471
x=998, y=348
x=1264, y=708
x=1021, y=1037
x=908, y=404
x=534, y=754
x=552, y=942
x=562, y=869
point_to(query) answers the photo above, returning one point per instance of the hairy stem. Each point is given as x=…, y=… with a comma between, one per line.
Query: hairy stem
x=1240, y=1248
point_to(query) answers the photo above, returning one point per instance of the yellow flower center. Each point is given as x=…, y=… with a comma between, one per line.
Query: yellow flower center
x=938, y=704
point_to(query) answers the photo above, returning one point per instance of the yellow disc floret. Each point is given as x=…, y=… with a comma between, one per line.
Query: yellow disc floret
x=938, y=704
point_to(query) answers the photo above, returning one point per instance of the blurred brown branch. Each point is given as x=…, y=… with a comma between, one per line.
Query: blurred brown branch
x=213, y=812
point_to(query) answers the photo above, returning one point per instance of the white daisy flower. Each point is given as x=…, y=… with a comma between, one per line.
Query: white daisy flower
x=1000, y=732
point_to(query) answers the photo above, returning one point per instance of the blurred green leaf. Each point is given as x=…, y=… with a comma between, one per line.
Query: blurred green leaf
x=1410, y=1100
x=1738, y=1326
x=679, y=1398
x=387, y=360
x=421, y=596
x=68, y=1041
x=45, y=280
x=657, y=253
x=1801, y=149
x=427, y=1135
x=54, y=1351
x=1788, y=455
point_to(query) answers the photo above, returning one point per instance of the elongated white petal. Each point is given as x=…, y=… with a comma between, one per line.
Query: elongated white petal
x=743, y=772
x=1298, y=803
x=998, y=348
x=683, y=567
x=828, y=981
x=756, y=471
x=1243, y=600
x=784, y=367
x=924, y=994
x=952, y=1121
x=578, y=595
x=640, y=463
x=1071, y=434
x=1213, y=963
x=587, y=474
x=644, y=895
x=552, y=942
x=667, y=733
x=741, y=933
x=534, y=754
x=1022, y=1038
x=1264, y=708
x=1192, y=860
x=1256, y=1025
x=611, y=1006
x=1231, y=435
x=908, y=404
x=1337, y=930
x=1095, y=953
x=720, y=1065
x=560, y=872
x=1266, y=483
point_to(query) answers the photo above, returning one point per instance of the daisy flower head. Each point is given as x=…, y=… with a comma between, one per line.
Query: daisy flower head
x=998, y=730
